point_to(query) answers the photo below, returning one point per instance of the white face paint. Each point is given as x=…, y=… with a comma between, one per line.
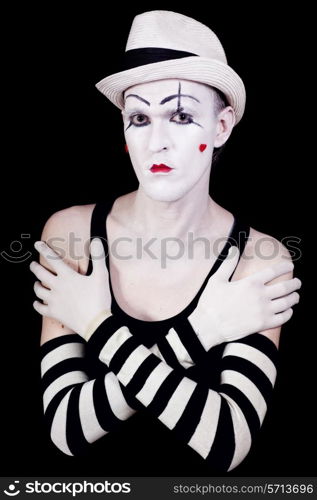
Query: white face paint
x=165, y=122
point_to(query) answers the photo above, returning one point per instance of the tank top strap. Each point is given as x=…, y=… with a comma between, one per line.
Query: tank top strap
x=239, y=234
x=238, y=237
x=98, y=226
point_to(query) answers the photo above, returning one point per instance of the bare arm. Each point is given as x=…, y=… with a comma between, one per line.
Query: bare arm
x=270, y=251
x=57, y=229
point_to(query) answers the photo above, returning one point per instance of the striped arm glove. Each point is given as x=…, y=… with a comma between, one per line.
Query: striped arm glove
x=219, y=425
x=78, y=411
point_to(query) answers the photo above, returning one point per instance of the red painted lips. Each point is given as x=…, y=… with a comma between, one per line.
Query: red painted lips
x=160, y=168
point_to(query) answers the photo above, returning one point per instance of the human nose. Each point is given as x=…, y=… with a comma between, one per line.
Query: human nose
x=159, y=137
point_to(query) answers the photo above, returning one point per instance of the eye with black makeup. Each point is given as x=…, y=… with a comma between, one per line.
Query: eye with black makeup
x=182, y=115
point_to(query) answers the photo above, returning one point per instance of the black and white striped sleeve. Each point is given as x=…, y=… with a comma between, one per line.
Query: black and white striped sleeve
x=78, y=411
x=218, y=424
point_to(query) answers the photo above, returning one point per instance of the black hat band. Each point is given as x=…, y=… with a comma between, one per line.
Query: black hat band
x=139, y=57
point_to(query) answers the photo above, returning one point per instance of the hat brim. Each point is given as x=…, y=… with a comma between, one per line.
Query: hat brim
x=199, y=69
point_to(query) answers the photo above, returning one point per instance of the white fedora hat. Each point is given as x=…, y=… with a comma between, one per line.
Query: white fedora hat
x=164, y=44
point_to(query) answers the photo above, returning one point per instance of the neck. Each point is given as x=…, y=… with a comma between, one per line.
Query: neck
x=191, y=213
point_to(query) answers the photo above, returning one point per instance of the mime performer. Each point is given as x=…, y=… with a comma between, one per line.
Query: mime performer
x=128, y=342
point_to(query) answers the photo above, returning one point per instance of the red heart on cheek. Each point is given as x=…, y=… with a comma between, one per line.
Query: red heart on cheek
x=202, y=147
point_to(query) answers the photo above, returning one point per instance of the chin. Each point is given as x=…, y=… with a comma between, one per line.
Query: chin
x=168, y=195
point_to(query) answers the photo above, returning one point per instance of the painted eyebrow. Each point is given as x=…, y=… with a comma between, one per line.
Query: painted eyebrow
x=138, y=97
x=167, y=99
x=170, y=97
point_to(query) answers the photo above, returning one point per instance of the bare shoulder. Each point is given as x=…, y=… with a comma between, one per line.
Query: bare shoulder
x=263, y=250
x=67, y=231
x=64, y=221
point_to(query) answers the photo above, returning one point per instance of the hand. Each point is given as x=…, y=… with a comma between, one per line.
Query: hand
x=72, y=298
x=230, y=310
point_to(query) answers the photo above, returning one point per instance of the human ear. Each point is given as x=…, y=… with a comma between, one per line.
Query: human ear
x=225, y=123
x=123, y=116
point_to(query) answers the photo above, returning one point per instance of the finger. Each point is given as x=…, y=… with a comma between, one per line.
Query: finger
x=40, y=308
x=229, y=264
x=97, y=253
x=42, y=274
x=271, y=272
x=41, y=292
x=283, y=288
x=52, y=257
x=281, y=318
x=281, y=305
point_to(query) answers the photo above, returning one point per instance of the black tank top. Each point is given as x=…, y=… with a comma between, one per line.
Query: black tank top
x=238, y=236
x=143, y=446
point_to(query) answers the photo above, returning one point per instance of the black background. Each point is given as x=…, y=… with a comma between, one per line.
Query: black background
x=64, y=146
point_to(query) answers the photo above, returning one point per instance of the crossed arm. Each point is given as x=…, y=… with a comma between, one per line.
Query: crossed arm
x=218, y=422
